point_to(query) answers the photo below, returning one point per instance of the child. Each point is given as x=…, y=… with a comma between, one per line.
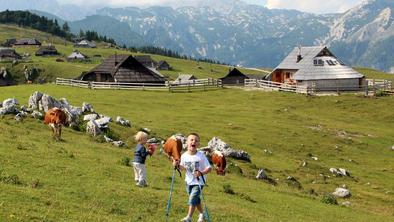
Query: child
x=140, y=155
x=196, y=165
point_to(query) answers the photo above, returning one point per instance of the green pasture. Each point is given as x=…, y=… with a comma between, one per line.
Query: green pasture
x=82, y=179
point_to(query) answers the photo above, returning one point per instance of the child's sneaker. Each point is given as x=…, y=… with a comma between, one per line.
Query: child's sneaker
x=187, y=219
x=200, y=218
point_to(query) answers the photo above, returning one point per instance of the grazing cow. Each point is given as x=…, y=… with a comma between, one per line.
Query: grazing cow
x=55, y=118
x=172, y=148
x=219, y=161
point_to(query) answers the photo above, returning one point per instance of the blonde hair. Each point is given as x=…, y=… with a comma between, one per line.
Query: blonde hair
x=140, y=135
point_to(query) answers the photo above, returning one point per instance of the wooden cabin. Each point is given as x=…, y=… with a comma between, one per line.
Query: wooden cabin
x=316, y=67
x=27, y=42
x=9, y=54
x=76, y=56
x=48, y=50
x=234, y=77
x=123, y=68
x=185, y=78
x=146, y=60
x=163, y=65
x=85, y=44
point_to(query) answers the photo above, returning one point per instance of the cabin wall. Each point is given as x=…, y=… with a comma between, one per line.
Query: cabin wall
x=283, y=75
x=233, y=80
x=333, y=84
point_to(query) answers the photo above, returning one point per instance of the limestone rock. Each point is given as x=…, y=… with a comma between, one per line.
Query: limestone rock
x=89, y=117
x=47, y=102
x=118, y=143
x=37, y=115
x=93, y=128
x=261, y=174
x=217, y=144
x=86, y=107
x=341, y=192
x=34, y=100
x=123, y=122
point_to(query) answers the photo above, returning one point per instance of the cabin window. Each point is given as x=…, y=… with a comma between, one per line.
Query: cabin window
x=330, y=62
x=318, y=62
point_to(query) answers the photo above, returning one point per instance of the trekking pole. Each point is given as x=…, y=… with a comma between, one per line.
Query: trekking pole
x=169, y=198
x=202, y=198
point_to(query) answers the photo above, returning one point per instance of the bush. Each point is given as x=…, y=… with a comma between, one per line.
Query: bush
x=228, y=189
x=329, y=199
x=125, y=161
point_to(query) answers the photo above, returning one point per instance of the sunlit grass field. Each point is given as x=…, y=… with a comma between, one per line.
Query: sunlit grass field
x=81, y=179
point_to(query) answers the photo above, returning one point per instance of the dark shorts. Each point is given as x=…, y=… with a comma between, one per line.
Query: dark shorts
x=194, y=194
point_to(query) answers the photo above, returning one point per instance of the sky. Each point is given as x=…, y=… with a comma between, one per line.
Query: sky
x=314, y=6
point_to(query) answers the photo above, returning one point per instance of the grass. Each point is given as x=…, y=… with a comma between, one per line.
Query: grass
x=50, y=69
x=81, y=179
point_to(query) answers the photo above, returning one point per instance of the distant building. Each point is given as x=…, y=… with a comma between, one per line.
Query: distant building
x=9, y=42
x=48, y=50
x=234, y=77
x=185, y=78
x=9, y=54
x=27, y=42
x=146, y=60
x=318, y=67
x=85, y=44
x=123, y=68
x=163, y=65
x=76, y=56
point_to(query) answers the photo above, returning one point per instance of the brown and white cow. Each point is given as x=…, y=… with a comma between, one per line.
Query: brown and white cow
x=55, y=118
x=172, y=148
x=219, y=161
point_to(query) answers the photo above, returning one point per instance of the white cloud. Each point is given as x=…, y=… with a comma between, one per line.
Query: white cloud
x=314, y=6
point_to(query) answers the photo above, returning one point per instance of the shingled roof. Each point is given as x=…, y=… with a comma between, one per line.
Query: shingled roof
x=125, y=68
x=316, y=62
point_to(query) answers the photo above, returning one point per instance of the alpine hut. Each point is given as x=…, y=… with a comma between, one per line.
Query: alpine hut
x=48, y=50
x=27, y=42
x=316, y=67
x=163, y=65
x=234, y=77
x=76, y=56
x=8, y=54
x=123, y=68
x=146, y=60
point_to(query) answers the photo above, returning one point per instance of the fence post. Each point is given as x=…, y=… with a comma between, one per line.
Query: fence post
x=373, y=87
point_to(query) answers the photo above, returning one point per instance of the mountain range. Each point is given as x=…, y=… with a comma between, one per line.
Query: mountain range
x=234, y=32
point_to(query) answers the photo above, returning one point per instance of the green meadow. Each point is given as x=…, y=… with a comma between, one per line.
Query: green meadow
x=84, y=179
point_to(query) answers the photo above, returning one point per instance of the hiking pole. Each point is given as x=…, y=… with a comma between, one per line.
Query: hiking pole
x=169, y=198
x=202, y=198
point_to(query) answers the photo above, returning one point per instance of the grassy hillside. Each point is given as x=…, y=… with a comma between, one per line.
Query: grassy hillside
x=50, y=69
x=81, y=179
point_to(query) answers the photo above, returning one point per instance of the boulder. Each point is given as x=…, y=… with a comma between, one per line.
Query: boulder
x=123, y=122
x=118, y=143
x=37, y=115
x=47, y=102
x=261, y=175
x=339, y=172
x=18, y=117
x=86, y=107
x=392, y=148
x=341, y=192
x=107, y=139
x=103, y=122
x=217, y=144
x=89, y=117
x=34, y=100
x=293, y=182
x=93, y=128
x=346, y=204
x=344, y=172
x=9, y=106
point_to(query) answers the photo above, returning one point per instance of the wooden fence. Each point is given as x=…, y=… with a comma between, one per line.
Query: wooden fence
x=196, y=85
x=370, y=87
x=276, y=86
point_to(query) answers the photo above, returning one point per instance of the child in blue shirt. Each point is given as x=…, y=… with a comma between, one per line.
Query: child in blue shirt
x=140, y=155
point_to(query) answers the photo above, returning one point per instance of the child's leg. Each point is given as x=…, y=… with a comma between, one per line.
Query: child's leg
x=136, y=174
x=143, y=173
x=199, y=208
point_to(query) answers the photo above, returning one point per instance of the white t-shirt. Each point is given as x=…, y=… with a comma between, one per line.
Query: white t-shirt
x=192, y=163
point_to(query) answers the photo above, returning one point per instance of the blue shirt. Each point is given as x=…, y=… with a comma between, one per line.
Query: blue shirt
x=140, y=154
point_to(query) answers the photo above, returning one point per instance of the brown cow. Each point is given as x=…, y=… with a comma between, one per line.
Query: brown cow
x=219, y=161
x=55, y=118
x=172, y=148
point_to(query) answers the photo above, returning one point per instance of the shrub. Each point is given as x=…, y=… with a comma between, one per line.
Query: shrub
x=228, y=189
x=125, y=161
x=329, y=199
